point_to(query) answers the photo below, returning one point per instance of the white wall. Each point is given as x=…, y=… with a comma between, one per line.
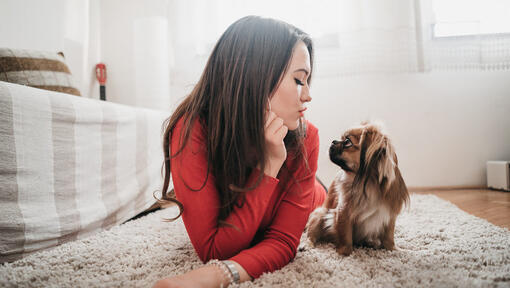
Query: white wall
x=445, y=126
x=33, y=24
x=55, y=25
x=121, y=48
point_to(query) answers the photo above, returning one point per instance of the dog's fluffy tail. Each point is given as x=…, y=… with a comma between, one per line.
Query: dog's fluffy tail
x=321, y=226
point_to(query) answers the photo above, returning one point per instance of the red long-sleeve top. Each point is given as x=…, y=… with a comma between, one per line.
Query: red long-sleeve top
x=271, y=221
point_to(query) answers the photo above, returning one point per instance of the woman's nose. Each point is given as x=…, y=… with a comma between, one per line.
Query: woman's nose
x=305, y=94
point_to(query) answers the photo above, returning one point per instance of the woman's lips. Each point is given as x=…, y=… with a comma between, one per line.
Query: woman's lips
x=302, y=112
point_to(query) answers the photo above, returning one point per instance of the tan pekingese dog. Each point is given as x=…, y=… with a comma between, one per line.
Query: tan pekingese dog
x=366, y=196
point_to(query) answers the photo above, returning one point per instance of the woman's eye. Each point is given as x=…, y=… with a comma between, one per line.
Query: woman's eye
x=347, y=143
x=299, y=82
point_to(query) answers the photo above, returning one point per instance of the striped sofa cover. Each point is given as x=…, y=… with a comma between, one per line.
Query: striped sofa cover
x=71, y=167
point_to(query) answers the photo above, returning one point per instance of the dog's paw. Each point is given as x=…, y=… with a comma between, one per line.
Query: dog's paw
x=344, y=250
x=314, y=226
x=396, y=248
x=390, y=245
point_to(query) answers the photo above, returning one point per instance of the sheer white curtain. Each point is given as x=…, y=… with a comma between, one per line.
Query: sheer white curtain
x=375, y=36
x=196, y=25
x=352, y=36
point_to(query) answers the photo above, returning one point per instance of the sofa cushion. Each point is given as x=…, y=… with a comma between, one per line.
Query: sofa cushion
x=44, y=70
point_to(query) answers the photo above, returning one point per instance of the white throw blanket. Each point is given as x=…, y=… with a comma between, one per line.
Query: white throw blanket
x=71, y=166
x=440, y=246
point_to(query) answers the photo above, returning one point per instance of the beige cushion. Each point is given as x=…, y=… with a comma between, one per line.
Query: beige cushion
x=44, y=70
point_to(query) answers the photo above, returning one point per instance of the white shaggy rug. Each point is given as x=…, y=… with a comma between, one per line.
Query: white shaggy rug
x=440, y=246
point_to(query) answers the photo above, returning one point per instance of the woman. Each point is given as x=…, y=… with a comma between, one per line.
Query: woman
x=243, y=159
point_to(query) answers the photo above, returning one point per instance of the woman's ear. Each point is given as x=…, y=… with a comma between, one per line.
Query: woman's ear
x=267, y=111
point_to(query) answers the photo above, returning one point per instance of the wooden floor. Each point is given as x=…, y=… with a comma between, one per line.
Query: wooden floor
x=494, y=206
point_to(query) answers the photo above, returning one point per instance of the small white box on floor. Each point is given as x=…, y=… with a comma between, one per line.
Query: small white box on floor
x=498, y=175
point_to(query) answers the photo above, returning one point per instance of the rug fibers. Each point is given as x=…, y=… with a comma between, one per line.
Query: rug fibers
x=439, y=246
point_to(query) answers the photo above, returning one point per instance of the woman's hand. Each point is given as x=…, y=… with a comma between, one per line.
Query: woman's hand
x=274, y=131
x=205, y=276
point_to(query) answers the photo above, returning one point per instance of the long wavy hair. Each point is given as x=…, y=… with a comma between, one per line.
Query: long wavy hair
x=241, y=75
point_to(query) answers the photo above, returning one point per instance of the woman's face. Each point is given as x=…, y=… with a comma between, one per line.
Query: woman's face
x=288, y=101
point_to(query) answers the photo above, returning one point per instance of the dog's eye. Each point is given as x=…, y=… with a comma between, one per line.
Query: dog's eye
x=347, y=143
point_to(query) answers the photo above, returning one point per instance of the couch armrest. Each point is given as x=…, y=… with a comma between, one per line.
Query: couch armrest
x=71, y=166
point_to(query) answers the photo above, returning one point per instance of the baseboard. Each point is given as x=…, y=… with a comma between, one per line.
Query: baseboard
x=443, y=188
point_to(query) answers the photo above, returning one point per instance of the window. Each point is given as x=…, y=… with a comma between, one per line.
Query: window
x=470, y=17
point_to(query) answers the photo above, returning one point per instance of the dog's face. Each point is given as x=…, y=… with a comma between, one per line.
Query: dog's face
x=346, y=151
x=365, y=149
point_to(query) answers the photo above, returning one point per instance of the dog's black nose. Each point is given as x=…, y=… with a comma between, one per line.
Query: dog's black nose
x=335, y=142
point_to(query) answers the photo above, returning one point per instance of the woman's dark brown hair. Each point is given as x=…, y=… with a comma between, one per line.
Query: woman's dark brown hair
x=241, y=75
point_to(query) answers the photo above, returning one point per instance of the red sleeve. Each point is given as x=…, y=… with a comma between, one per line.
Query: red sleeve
x=201, y=208
x=283, y=235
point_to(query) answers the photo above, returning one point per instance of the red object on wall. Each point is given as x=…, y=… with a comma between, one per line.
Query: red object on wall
x=101, y=77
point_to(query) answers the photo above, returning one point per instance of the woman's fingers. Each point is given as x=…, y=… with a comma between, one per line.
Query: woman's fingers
x=282, y=131
x=275, y=132
x=275, y=129
x=276, y=124
x=270, y=117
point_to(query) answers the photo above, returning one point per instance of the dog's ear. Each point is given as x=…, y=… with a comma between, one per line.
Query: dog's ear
x=397, y=192
x=361, y=178
x=377, y=159
x=387, y=164
x=384, y=160
x=381, y=157
x=366, y=164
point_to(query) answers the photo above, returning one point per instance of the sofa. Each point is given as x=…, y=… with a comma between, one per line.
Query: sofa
x=71, y=167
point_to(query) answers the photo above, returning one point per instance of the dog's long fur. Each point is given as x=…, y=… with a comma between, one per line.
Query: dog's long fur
x=366, y=196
